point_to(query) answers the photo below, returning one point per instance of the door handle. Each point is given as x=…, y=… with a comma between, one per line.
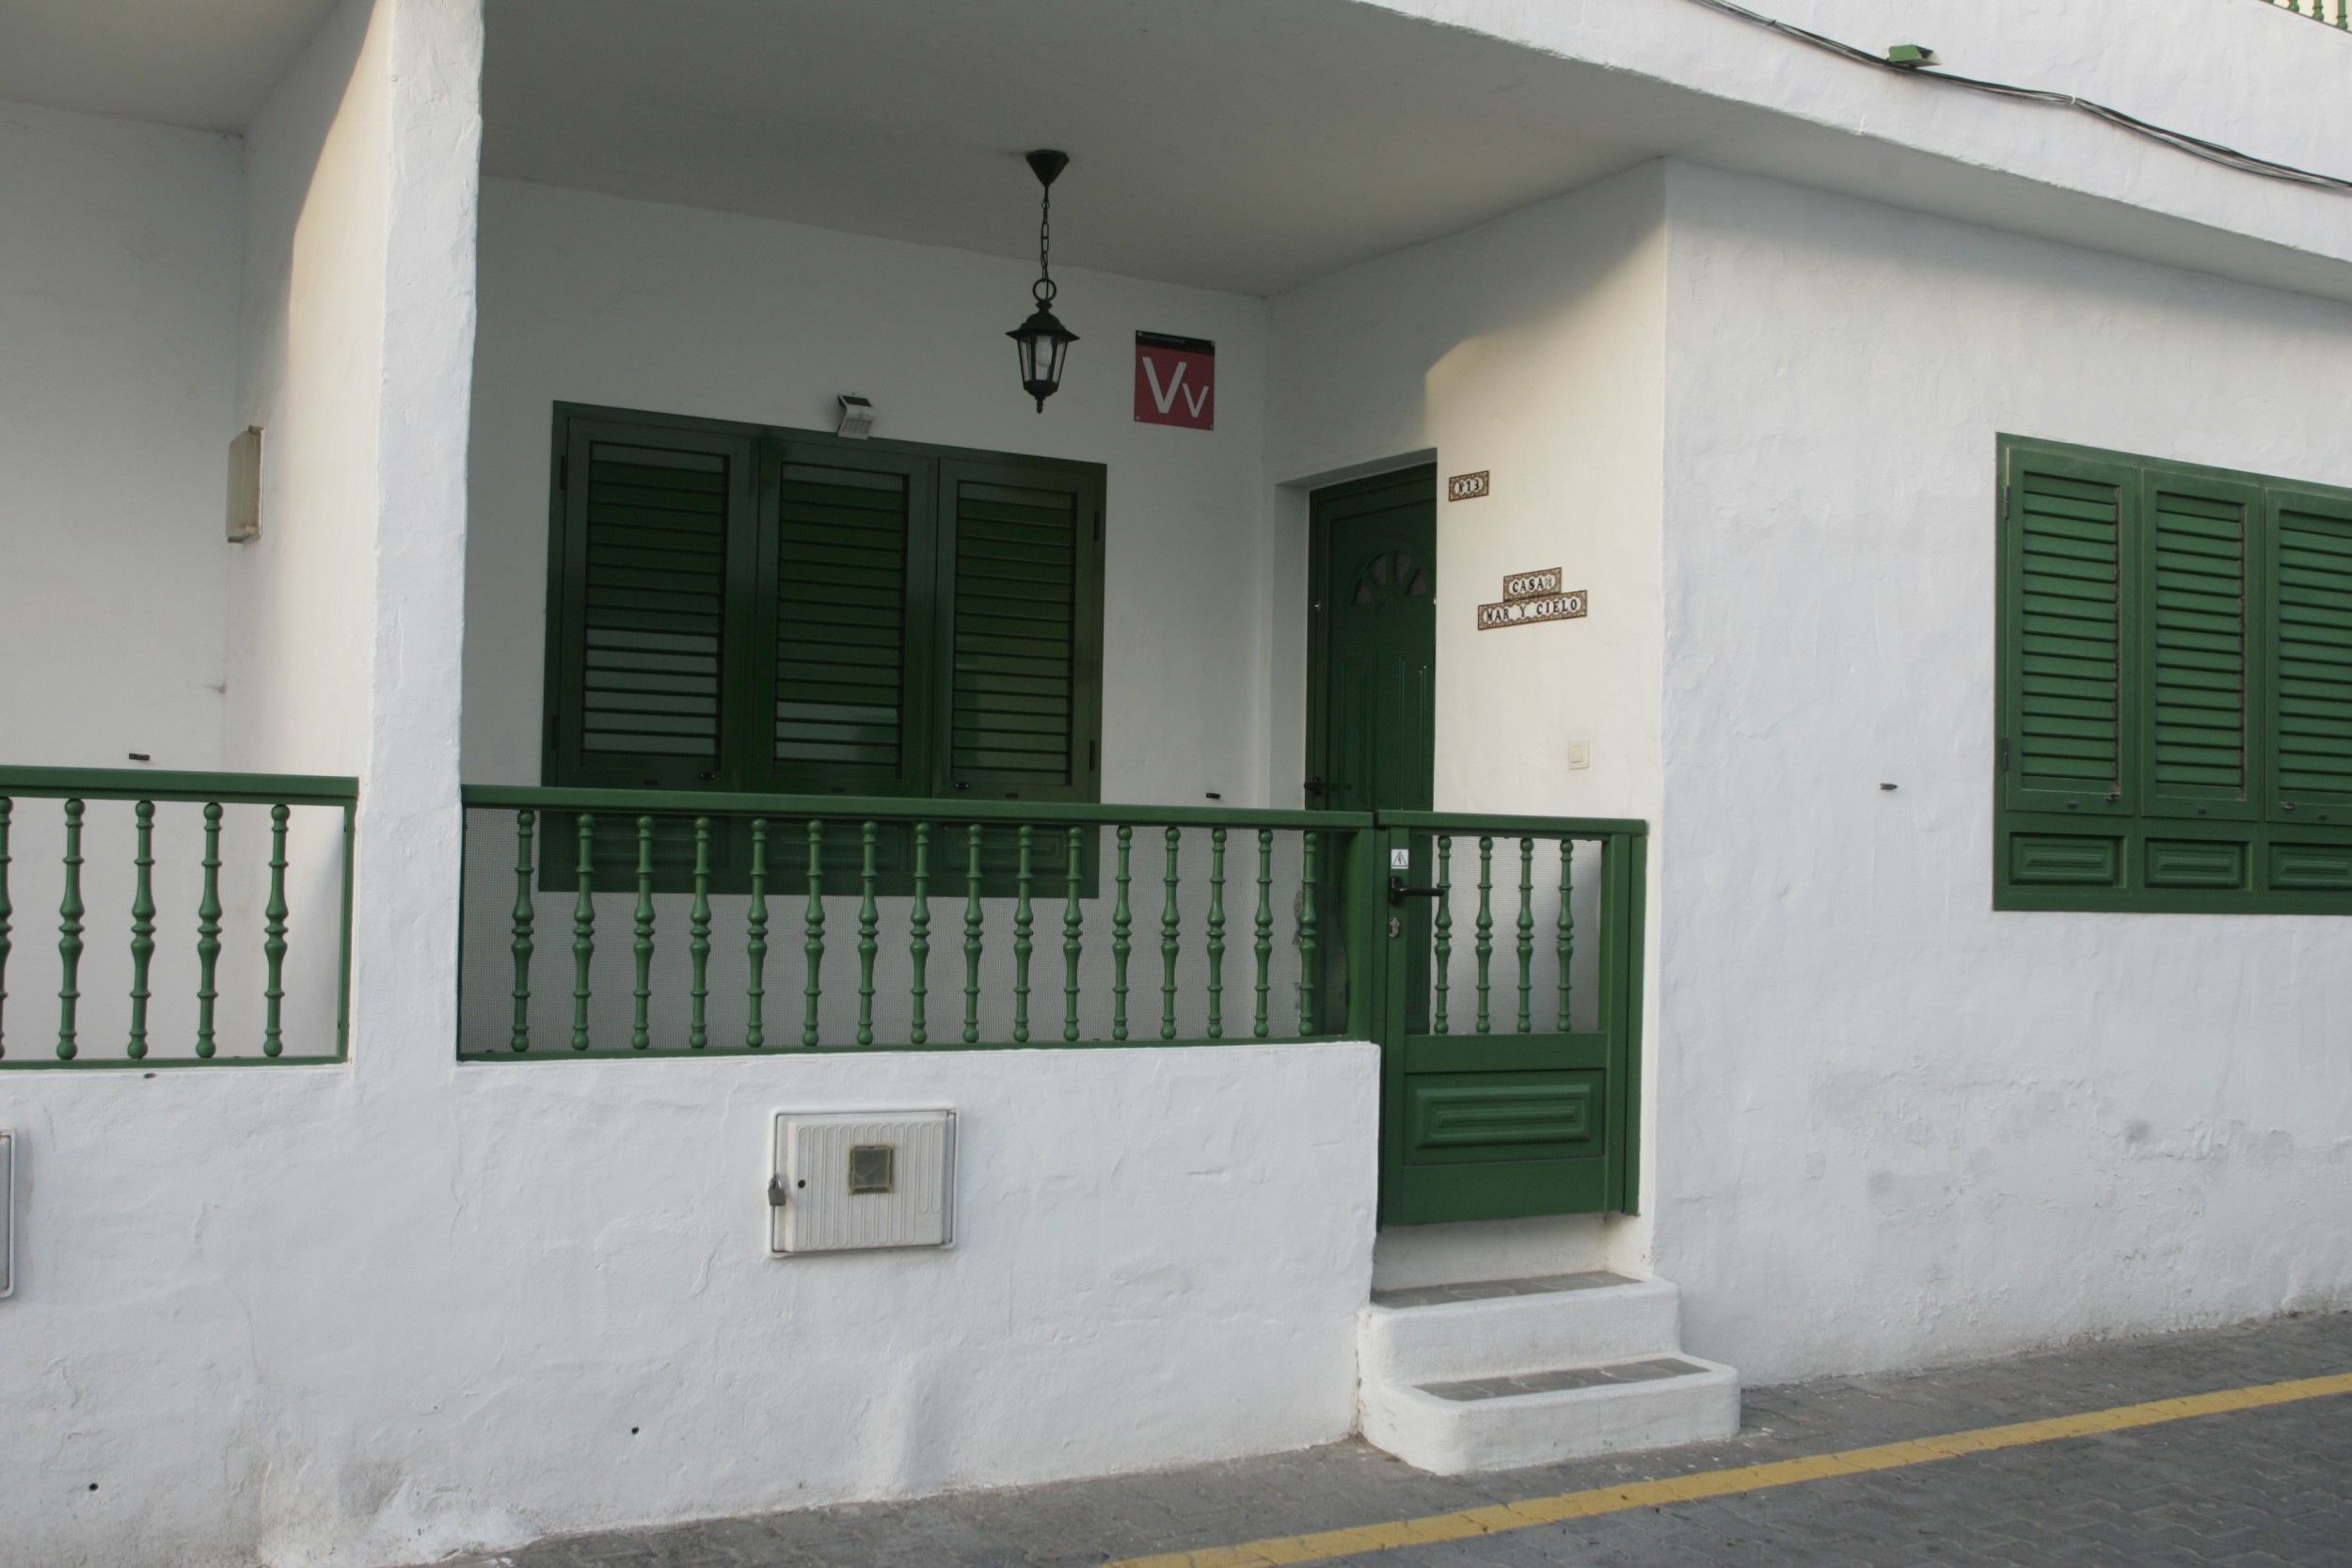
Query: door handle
x=1399, y=892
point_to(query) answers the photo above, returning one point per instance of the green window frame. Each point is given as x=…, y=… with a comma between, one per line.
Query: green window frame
x=742, y=607
x=2175, y=704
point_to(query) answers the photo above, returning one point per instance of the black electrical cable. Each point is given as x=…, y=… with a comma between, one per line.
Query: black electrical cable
x=2196, y=147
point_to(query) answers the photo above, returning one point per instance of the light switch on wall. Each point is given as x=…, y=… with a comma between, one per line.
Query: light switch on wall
x=1580, y=753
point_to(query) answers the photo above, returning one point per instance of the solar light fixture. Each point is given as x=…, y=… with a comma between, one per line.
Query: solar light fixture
x=857, y=417
x=1043, y=340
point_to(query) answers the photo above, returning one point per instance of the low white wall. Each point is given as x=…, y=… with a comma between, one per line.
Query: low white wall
x=283, y=1315
x=117, y=364
x=1894, y=1126
x=591, y=299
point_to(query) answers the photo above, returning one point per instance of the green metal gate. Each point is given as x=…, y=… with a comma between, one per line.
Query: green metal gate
x=1510, y=1052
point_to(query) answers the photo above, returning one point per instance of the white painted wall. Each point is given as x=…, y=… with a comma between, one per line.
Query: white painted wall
x=595, y=299
x=1529, y=347
x=1895, y=1127
x=118, y=255
x=310, y=360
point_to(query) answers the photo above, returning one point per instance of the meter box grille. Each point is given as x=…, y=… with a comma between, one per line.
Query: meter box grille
x=859, y=1180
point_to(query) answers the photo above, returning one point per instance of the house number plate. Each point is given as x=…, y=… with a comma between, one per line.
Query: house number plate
x=1526, y=612
x=1467, y=487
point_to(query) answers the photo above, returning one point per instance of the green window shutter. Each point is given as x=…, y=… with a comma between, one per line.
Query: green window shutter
x=851, y=592
x=2068, y=725
x=2195, y=644
x=1021, y=588
x=650, y=522
x=2309, y=601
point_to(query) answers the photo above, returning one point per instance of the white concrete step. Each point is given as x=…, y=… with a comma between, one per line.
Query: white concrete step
x=1540, y=1418
x=1527, y=1371
x=1437, y=1333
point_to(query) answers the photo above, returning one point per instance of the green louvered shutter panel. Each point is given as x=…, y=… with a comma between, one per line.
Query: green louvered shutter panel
x=1021, y=585
x=642, y=635
x=851, y=572
x=2309, y=583
x=2195, y=639
x=2068, y=684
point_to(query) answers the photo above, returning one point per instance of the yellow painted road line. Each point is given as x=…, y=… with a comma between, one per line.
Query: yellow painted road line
x=1325, y=1546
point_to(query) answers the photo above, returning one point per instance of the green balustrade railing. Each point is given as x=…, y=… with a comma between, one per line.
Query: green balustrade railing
x=201, y=917
x=2335, y=14
x=1554, y=872
x=670, y=897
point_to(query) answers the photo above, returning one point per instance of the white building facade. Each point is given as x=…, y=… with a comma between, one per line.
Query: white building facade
x=1911, y=921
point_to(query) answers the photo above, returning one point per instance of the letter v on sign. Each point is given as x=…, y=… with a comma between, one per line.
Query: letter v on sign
x=1175, y=381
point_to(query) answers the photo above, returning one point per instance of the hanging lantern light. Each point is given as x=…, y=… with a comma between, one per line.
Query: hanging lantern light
x=1043, y=340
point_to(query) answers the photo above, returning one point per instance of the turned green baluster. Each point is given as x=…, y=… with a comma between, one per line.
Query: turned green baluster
x=1485, y=946
x=1527, y=931
x=70, y=912
x=920, y=932
x=142, y=925
x=1123, y=922
x=207, y=932
x=755, y=941
x=8, y=809
x=583, y=926
x=1022, y=924
x=274, y=936
x=814, y=928
x=1568, y=924
x=1216, y=933
x=1442, y=927
x=1264, y=947
x=1169, y=946
x=641, y=1035
x=972, y=934
x=1307, y=932
x=698, y=942
x=1073, y=937
x=868, y=923
x=521, y=1039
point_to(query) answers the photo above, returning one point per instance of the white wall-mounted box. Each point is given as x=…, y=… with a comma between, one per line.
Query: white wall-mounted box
x=8, y=1216
x=858, y=1180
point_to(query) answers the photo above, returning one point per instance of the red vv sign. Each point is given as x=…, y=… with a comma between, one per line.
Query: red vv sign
x=1175, y=381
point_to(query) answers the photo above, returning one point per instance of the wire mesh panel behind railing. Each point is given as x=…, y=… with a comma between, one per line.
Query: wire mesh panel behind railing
x=153, y=919
x=615, y=924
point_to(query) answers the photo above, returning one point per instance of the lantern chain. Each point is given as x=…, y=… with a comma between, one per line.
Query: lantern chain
x=1043, y=291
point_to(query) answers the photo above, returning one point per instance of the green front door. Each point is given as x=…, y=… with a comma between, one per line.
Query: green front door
x=1374, y=664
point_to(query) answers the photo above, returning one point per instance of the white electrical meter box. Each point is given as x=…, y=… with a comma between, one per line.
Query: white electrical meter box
x=857, y=1181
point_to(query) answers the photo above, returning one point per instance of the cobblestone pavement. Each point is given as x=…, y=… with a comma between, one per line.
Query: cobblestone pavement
x=2260, y=1487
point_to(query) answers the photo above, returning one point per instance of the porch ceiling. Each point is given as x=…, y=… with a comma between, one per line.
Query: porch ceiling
x=1229, y=145
x=205, y=64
